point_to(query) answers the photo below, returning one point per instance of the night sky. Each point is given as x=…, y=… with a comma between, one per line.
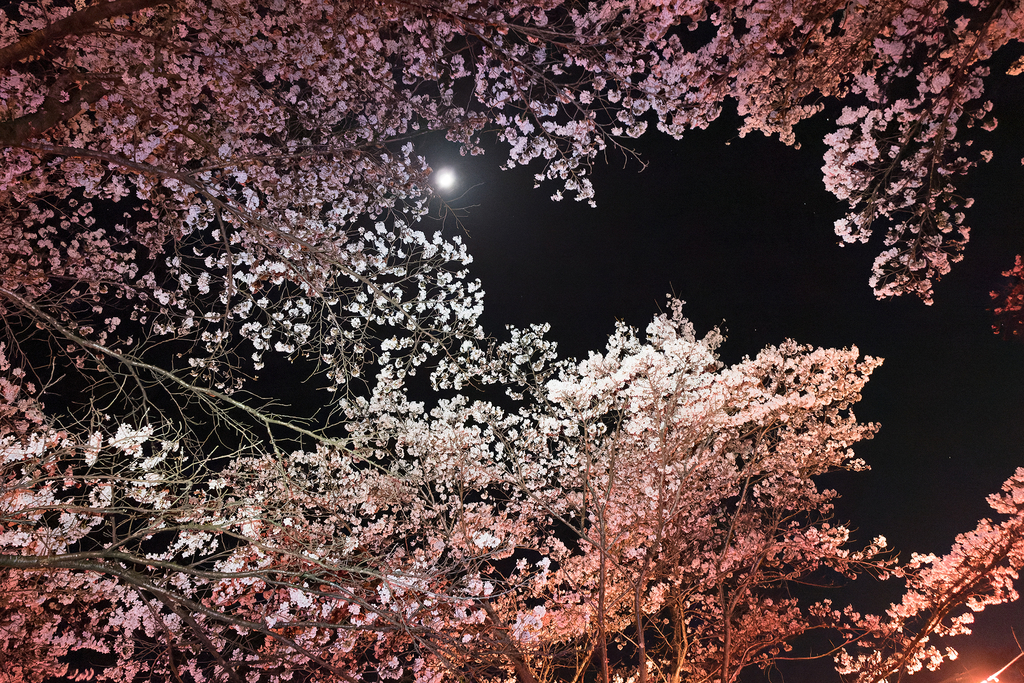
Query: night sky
x=741, y=230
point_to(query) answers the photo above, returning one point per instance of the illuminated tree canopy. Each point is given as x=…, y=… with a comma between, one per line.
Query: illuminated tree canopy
x=190, y=191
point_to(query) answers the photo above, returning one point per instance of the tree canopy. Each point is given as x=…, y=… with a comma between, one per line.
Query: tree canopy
x=647, y=499
x=191, y=190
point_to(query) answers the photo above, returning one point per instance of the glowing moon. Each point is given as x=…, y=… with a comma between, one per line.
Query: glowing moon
x=445, y=179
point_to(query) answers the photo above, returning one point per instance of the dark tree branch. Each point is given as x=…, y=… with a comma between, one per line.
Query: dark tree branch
x=53, y=111
x=75, y=24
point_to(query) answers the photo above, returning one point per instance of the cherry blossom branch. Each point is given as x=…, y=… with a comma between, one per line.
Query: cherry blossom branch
x=54, y=110
x=138, y=580
x=246, y=217
x=523, y=671
x=74, y=24
x=204, y=394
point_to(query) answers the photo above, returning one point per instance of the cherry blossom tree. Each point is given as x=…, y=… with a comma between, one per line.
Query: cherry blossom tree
x=192, y=190
x=254, y=136
x=239, y=177
x=642, y=514
x=686, y=490
x=184, y=186
x=943, y=593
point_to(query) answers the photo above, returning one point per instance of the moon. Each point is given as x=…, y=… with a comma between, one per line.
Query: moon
x=445, y=179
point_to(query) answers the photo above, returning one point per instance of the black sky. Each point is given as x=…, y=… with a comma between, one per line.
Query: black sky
x=741, y=230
